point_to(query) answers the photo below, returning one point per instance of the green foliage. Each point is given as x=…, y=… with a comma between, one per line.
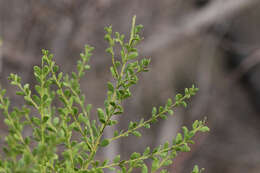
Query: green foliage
x=53, y=147
x=197, y=170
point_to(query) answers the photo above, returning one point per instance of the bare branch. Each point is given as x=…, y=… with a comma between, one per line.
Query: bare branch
x=194, y=24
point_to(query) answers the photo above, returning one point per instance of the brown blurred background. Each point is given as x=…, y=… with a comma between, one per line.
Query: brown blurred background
x=213, y=44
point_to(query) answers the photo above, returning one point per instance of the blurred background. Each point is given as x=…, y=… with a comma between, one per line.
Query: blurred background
x=213, y=44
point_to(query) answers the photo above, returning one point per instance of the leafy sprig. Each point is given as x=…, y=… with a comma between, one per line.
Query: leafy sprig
x=56, y=110
x=162, y=155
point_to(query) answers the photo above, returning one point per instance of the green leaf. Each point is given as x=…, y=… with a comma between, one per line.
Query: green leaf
x=154, y=111
x=51, y=129
x=155, y=164
x=94, y=128
x=132, y=125
x=113, y=72
x=27, y=158
x=112, y=122
x=44, y=98
x=178, y=138
x=87, y=67
x=105, y=162
x=101, y=115
x=88, y=108
x=8, y=122
x=45, y=119
x=116, y=159
x=144, y=168
x=147, y=125
x=146, y=151
x=204, y=129
x=27, y=140
x=185, y=148
x=37, y=70
x=136, y=133
x=56, y=121
x=21, y=93
x=164, y=117
x=161, y=109
x=82, y=118
x=169, y=102
x=36, y=99
x=116, y=133
x=110, y=86
x=166, y=145
x=141, y=121
x=195, y=124
x=104, y=143
x=170, y=112
x=132, y=55
x=195, y=169
x=185, y=132
x=178, y=97
x=36, y=120
x=167, y=163
x=60, y=76
x=184, y=104
x=76, y=128
x=135, y=155
x=191, y=134
x=164, y=171
x=55, y=68
x=67, y=93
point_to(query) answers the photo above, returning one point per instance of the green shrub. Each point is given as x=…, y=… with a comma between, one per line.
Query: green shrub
x=53, y=146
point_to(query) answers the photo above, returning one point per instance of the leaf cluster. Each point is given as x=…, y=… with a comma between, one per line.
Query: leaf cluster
x=53, y=147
